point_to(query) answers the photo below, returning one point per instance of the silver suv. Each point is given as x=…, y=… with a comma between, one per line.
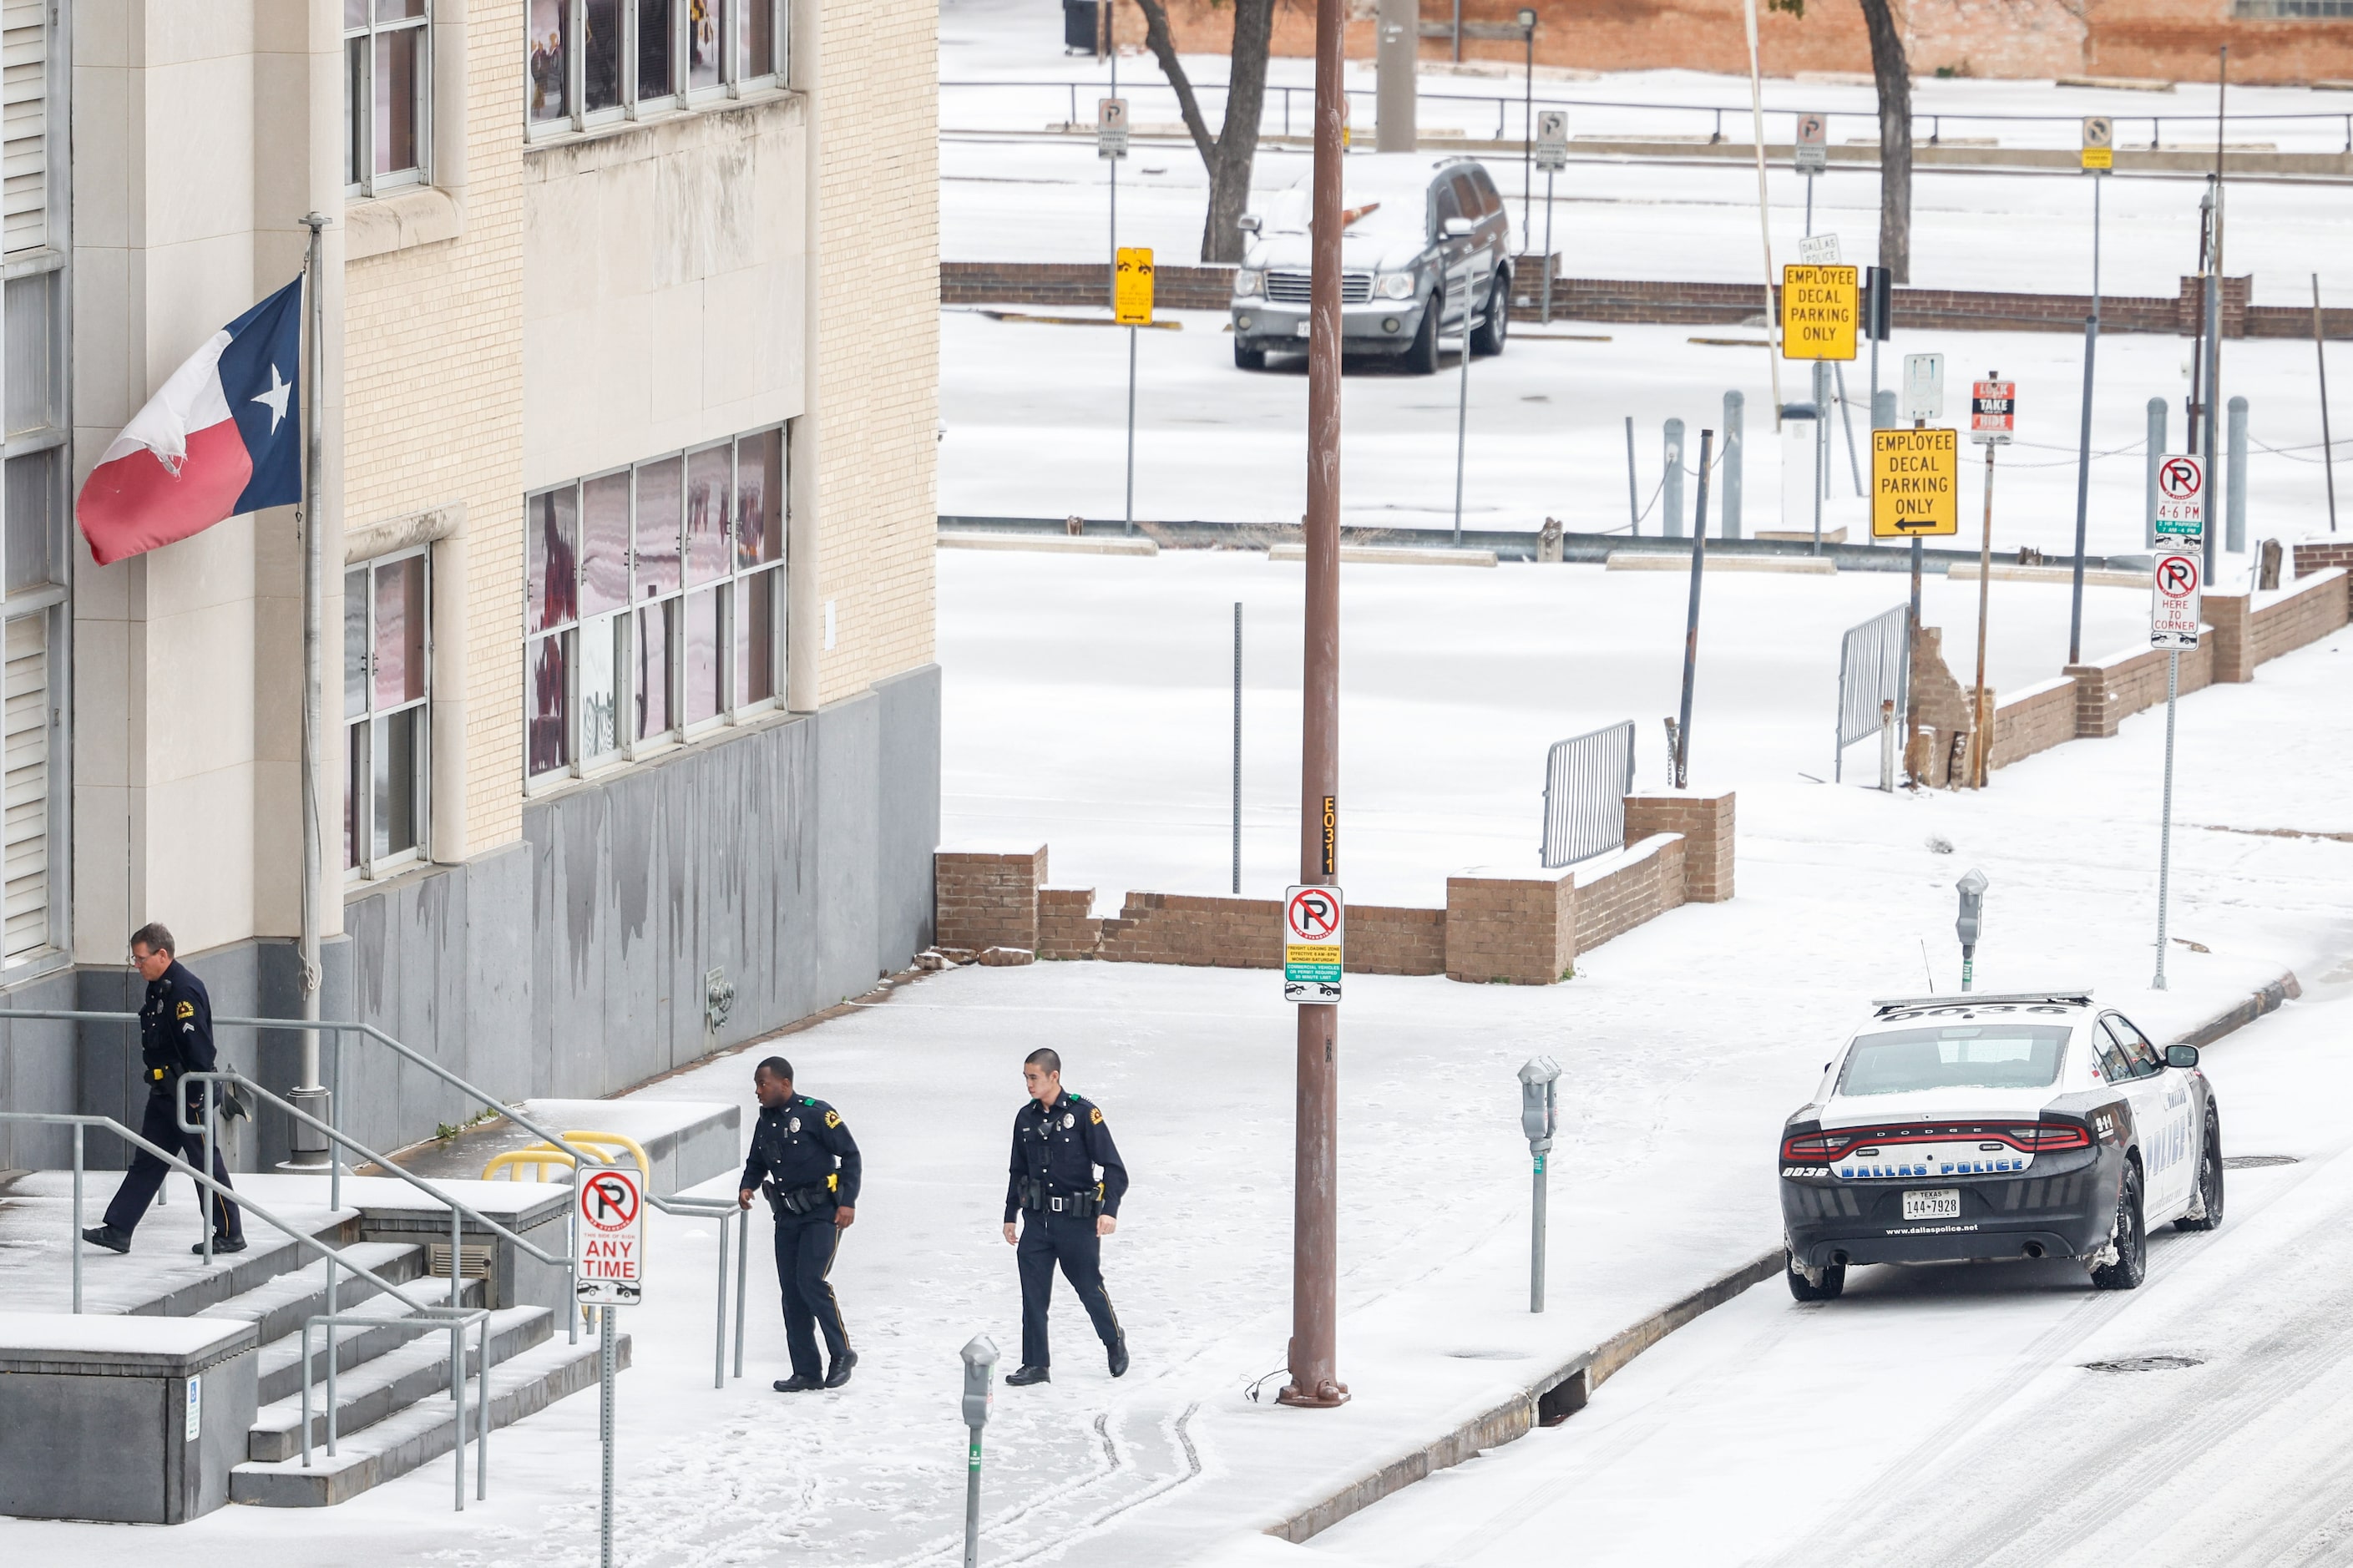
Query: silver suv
x=1424, y=242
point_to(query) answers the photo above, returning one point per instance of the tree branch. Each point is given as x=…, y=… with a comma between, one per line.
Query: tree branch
x=1157, y=38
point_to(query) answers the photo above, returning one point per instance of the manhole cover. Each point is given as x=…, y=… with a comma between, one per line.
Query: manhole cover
x=2255, y=1162
x=2145, y=1364
x=1489, y=1355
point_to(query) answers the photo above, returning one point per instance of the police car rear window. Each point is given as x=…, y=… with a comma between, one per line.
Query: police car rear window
x=1957, y=1056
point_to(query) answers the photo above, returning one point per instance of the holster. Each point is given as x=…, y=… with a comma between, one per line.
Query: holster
x=1082, y=1205
x=798, y=1200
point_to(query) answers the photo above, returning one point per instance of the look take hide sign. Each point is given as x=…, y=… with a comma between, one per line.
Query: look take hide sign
x=1914, y=483
x=1821, y=307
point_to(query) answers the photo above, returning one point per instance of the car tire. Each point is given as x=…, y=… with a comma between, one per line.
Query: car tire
x=2131, y=1266
x=1421, y=355
x=1804, y=1290
x=2210, y=1181
x=1487, y=338
x=1246, y=358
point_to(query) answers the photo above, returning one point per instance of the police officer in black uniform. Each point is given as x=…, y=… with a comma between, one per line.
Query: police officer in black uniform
x=1059, y=1140
x=175, y=1037
x=808, y=1163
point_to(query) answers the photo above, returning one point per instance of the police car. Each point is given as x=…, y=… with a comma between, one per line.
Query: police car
x=1957, y=1129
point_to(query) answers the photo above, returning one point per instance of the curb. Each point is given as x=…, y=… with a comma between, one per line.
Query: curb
x=1560, y=1394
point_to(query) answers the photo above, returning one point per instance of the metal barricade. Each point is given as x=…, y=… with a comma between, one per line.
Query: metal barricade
x=1874, y=668
x=1587, y=778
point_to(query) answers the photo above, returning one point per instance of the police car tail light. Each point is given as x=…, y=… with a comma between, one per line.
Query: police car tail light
x=1815, y=1148
x=2049, y=1136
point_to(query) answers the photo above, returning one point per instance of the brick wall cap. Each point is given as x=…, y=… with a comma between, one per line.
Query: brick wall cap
x=1695, y=795
x=2307, y=584
x=1588, y=872
x=1534, y=877
x=2040, y=689
x=1001, y=849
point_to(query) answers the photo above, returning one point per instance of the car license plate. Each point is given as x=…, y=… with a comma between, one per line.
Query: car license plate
x=1300, y=331
x=1938, y=1203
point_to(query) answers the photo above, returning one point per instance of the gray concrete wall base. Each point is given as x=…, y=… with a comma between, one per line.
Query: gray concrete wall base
x=94, y=1445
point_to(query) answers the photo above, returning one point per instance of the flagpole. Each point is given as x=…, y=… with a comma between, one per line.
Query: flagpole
x=311, y=1091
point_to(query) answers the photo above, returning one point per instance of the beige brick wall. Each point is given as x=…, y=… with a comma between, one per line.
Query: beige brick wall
x=1638, y=891
x=1706, y=823
x=433, y=407
x=2114, y=688
x=878, y=342
x=1522, y=930
x=984, y=899
x=2035, y=719
x=2306, y=614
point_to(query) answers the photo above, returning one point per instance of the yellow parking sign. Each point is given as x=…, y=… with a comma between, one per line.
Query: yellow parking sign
x=1132, y=297
x=1821, y=307
x=1916, y=486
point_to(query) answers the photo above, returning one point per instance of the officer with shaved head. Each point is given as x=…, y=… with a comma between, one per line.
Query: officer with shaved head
x=1060, y=1142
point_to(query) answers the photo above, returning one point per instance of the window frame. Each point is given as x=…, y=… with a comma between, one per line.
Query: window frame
x=359, y=785
x=370, y=185
x=730, y=586
x=685, y=95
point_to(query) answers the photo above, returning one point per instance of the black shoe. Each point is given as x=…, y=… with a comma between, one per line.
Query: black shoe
x=106, y=1236
x=221, y=1244
x=838, y=1373
x=1119, y=1356
x=796, y=1384
x=1028, y=1375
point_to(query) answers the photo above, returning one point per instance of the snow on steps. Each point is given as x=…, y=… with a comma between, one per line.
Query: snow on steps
x=411, y=1373
x=276, y=1306
x=422, y=1433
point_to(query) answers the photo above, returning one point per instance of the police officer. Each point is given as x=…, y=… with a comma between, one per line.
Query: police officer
x=808, y=1163
x=1059, y=1140
x=175, y=1037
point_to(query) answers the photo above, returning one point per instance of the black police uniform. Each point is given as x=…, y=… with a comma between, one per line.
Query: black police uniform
x=1056, y=1149
x=810, y=1167
x=175, y=1037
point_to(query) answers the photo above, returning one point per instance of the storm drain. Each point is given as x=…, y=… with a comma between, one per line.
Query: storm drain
x=2255, y=1162
x=2145, y=1364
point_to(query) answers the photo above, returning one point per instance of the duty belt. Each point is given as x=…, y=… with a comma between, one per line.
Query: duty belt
x=1034, y=1195
x=801, y=1200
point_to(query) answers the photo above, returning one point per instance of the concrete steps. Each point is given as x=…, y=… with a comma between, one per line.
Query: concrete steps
x=275, y=1306
x=423, y=1432
x=355, y=1343
x=387, y=1383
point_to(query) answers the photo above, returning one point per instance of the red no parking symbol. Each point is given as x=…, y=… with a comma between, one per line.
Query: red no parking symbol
x=2180, y=478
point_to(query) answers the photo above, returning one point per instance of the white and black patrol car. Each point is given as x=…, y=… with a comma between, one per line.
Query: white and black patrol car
x=1979, y=1128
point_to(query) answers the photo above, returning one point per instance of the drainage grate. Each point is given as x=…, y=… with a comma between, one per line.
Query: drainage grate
x=474, y=1260
x=2145, y=1364
x=2255, y=1162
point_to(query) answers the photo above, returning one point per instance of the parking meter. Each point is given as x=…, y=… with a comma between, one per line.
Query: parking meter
x=1972, y=891
x=1540, y=1076
x=979, y=1395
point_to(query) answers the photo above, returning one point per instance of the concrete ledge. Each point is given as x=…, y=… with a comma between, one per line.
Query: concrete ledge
x=2011, y=572
x=1680, y=561
x=685, y=1141
x=1389, y=555
x=1052, y=544
x=2273, y=996
x=89, y=1345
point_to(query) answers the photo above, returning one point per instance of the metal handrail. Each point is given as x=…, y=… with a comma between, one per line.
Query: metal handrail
x=204, y=1179
x=458, y=1320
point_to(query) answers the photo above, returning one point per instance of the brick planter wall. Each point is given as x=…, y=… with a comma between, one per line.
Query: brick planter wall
x=1517, y=929
x=1645, y=884
x=1066, y=927
x=1705, y=822
x=987, y=899
x=2035, y=719
x=2309, y=610
x=2112, y=690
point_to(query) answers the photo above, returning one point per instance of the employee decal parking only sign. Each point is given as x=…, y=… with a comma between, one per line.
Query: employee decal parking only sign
x=1821, y=307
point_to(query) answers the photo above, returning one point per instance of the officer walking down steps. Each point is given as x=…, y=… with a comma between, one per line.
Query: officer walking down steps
x=175, y=1037
x=1058, y=1141
x=810, y=1164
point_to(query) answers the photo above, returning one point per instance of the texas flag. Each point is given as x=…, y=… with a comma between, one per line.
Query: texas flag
x=223, y=436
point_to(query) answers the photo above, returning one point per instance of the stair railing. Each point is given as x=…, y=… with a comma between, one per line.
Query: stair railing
x=458, y=1321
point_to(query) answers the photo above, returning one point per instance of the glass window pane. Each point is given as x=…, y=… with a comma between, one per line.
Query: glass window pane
x=31, y=501
x=355, y=14
x=396, y=10
x=551, y=532
x=709, y=504
x=357, y=95
x=399, y=67
x=756, y=638
x=655, y=50
x=604, y=543
x=601, y=56
x=400, y=632
x=657, y=500
x=356, y=643
x=649, y=674
x=548, y=746
x=760, y=497
x=549, y=65
x=703, y=698
x=356, y=776
x=399, y=792
x=32, y=368
x=702, y=43
x=600, y=713
x=756, y=33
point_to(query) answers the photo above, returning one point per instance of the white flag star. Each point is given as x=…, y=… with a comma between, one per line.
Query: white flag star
x=280, y=390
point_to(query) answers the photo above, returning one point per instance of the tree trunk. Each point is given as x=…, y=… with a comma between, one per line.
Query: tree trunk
x=1892, y=76
x=1228, y=155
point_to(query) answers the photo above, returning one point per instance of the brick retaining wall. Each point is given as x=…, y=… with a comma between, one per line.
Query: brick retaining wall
x=2035, y=719
x=987, y=899
x=1705, y=822
x=2114, y=688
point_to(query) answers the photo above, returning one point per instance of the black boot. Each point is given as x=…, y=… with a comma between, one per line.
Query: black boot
x=106, y=1236
x=1028, y=1375
x=1119, y=1356
x=221, y=1244
x=838, y=1373
x=796, y=1384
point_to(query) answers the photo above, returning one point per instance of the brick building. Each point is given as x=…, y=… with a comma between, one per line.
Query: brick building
x=628, y=556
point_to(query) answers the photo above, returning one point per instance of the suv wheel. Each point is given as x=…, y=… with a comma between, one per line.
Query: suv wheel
x=1487, y=340
x=1248, y=358
x=2210, y=1181
x=2131, y=1243
x=1421, y=355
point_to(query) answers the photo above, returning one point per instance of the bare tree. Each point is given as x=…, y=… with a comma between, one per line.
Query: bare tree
x=1229, y=154
x=1891, y=73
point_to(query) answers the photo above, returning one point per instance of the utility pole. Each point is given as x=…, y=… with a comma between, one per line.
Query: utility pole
x=1395, y=88
x=1316, y=1199
x=2327, y=446
x=2084, y=444
x=2215, y=299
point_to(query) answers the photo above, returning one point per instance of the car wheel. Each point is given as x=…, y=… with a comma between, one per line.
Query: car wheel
x=2210, y=1181
x=1487, y=340
x=1421, y=355
x=1833, y=1281
x=2131, y=1244
x=1248, y=358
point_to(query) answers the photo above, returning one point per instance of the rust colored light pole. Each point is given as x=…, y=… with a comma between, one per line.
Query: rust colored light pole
x=1315, y=1201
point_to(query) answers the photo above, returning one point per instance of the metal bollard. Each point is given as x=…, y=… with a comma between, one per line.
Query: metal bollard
x=1736, y=406
x=2234, y=479
x=2157, y=415
x=1670, y=499
x=1539, y=1082
x=1887, y=744
x=979, y=1358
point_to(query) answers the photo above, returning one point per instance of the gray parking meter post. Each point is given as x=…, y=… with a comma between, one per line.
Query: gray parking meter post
x=979, y=1394
x=1972, y=891
x=1539, y=1080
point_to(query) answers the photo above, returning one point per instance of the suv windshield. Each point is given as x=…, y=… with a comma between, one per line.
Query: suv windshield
x=1957, y=1056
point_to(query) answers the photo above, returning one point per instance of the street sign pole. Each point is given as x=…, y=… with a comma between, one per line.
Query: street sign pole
x=1131, y=429
x=604, y=1431
x=2180, y=526
x=608, y=1250
x=1547, y=321
x=1993, y=420
x=1691, y=623
x=1551, y=156
x=2165, y=823
x=1463, y=405
x=1131, y=307
x=1315, y=1208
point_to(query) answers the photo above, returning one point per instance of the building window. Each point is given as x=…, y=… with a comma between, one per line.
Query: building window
x=2291, y=10
x=653, y=602
x=387, y=64
x=593, y=61
x=387, y=663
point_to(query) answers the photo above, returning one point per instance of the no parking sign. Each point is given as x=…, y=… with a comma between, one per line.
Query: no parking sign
x=2173, y=603
x=608, y=1236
